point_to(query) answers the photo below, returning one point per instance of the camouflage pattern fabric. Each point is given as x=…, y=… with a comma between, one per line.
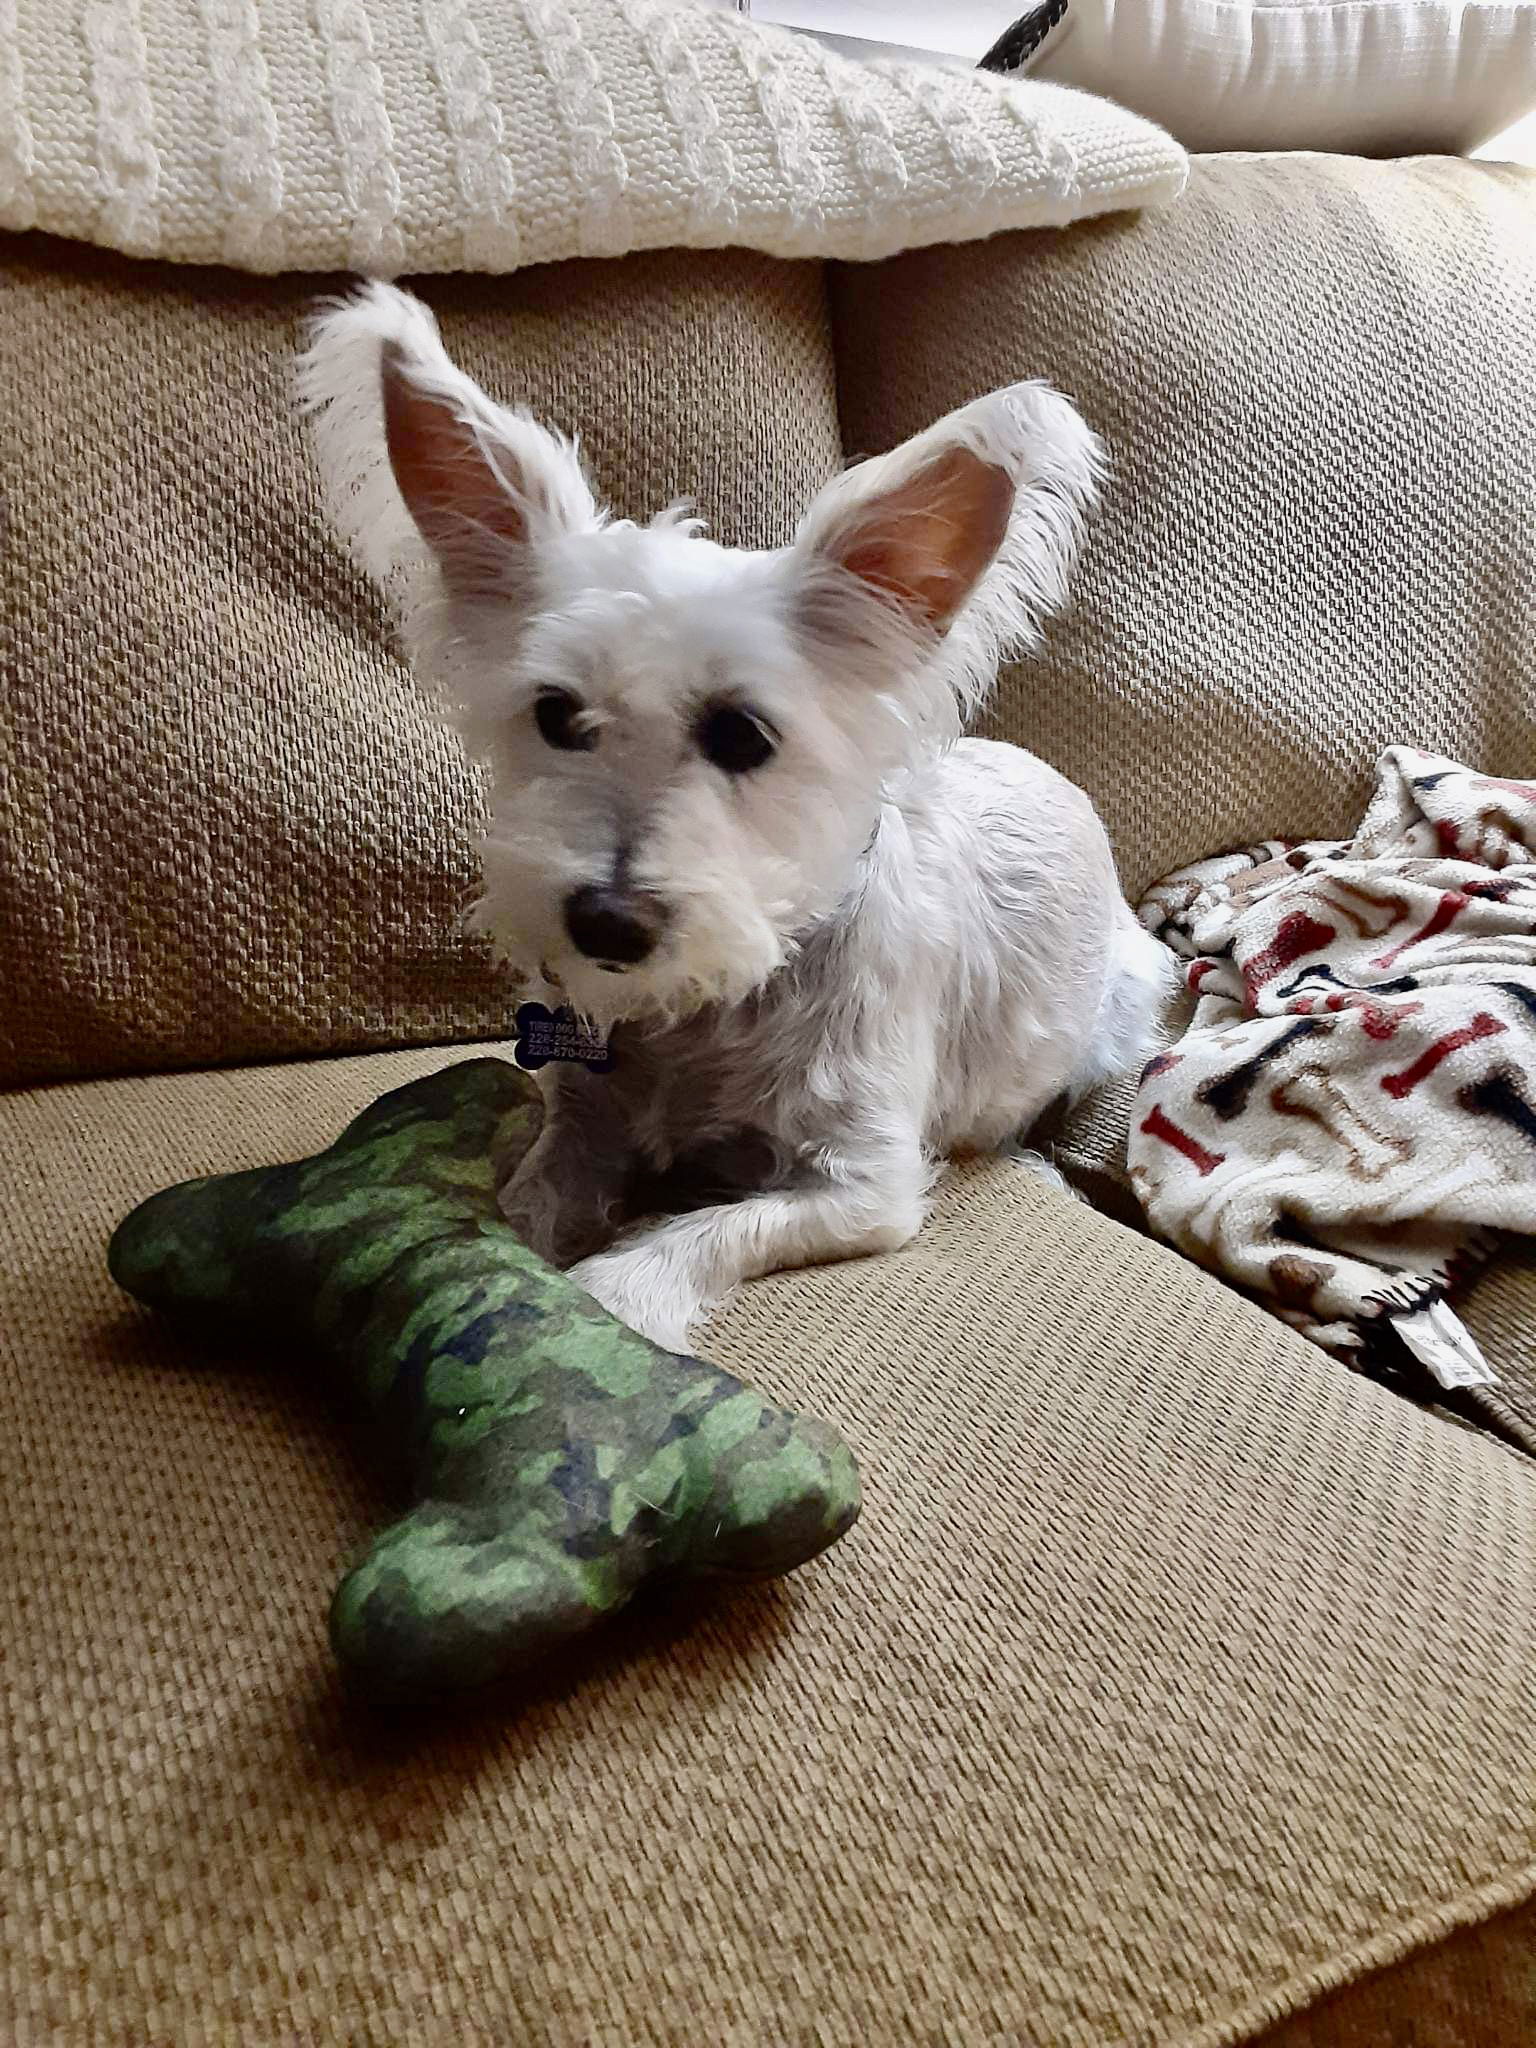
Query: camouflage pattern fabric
x=557, y=1460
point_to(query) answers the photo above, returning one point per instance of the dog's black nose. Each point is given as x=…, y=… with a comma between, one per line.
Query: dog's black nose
x=618, y=925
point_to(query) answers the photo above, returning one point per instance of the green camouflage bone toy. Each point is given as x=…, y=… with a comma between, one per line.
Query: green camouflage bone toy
x=558, y=1460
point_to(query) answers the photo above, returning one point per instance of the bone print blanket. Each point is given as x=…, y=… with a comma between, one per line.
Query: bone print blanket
x=1351, y=1116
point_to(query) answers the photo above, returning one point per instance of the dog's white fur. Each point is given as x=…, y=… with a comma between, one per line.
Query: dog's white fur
x=884, y=944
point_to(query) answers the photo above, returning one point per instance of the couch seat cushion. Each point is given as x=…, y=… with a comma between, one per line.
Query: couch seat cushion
x=1171, y=1676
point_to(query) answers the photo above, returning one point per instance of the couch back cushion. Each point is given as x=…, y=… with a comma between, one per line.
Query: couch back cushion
x=1315, y=377
x=230, y=825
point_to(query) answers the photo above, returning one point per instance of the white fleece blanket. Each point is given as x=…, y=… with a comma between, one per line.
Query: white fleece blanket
x=1351, y=1115
x=386, y=136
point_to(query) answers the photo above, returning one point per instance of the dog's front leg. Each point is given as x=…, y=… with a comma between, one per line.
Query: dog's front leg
x=566, y=1198
x=663, y=1281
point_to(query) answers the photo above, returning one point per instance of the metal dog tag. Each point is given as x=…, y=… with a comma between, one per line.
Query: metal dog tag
x=545, y=1035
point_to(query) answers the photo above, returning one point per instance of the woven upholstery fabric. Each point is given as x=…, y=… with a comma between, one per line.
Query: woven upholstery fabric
x=1476, y=1989
x=1170, y=1676
x=1314, y=377
x=1499, y=1308
x=449, y=135
x=230, y=824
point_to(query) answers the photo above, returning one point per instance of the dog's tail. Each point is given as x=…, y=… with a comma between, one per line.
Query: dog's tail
x=1142, y=976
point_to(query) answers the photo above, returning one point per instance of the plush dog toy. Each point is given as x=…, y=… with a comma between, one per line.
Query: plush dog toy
x=558, y=1461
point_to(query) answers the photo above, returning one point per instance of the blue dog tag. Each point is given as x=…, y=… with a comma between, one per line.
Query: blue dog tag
x=560, y=1035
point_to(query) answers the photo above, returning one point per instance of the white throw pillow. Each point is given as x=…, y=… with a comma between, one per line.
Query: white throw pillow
x=1375, y=77
x=393, y=135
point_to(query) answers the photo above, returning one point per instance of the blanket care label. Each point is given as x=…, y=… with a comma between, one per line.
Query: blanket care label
x=1443, y=1342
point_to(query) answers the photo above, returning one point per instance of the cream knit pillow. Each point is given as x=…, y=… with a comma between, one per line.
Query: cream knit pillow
x=440, y=135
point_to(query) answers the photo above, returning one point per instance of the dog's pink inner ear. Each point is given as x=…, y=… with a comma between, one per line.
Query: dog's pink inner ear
x=465, y=512
x=927, y=542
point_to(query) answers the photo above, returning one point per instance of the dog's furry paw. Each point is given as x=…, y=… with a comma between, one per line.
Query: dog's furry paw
x=636, y=1285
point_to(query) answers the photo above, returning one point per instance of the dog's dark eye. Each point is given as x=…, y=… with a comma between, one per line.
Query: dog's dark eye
x=734, y=740
x=557, y=714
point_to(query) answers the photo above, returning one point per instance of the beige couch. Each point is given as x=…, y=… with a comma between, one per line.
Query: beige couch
x=1176, y=1686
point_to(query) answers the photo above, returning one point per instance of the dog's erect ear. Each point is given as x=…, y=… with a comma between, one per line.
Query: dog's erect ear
x=478, y=480
x=920, y=533
x=481, y=483
x=964, y=534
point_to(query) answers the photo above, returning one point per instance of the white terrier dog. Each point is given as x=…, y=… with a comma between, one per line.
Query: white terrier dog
x=731, y=821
